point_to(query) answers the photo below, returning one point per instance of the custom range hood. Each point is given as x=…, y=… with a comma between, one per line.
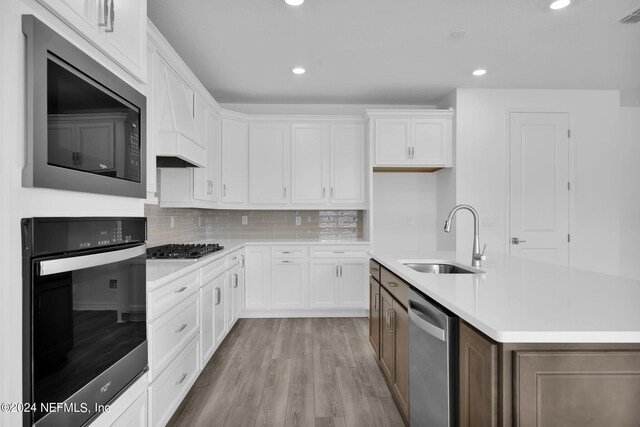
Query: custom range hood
x=178, y=144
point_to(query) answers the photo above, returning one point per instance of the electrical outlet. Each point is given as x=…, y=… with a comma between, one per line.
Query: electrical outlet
x=173, y=222
x=113, y=284
x=298, y=220
x=245, y=220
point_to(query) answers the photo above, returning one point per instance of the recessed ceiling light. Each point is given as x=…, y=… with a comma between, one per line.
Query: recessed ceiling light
x=479, y=72
x=298, y=70
x=294, y=2
x=559, y=4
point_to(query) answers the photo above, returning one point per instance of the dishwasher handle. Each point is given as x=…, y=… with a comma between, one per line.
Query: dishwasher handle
x=427, y=327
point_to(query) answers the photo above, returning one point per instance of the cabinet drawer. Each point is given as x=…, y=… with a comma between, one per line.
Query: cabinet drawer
x=162, y=300
x=234, y=258
x=169, y=334
x=340, y=251
x=374, y=269
x=213, y=270
x=135, y=415
x=168, y=390
x=396, y=286
x=289, y=252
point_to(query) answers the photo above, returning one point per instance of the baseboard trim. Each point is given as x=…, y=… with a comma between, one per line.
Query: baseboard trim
x=248, y=314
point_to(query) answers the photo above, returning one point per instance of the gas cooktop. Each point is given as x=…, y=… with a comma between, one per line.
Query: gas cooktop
x=182, y=251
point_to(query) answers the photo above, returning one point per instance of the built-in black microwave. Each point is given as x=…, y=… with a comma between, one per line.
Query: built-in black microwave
x=86, y=127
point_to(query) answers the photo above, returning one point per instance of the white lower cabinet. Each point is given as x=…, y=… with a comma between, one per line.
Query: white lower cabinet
x=236, y=284
x=168, y=390
x=207, y=341
x=135, y=415
x=339, y=283
x=169, y=333
x=257, y=277
x=220, y=285
x=305, y=280
x=289, y=283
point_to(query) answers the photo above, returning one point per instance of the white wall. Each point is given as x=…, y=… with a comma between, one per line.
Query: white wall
x=400, y=198
x=446, y=198
x=18, y=202
x=482, y=168
x=629, y=192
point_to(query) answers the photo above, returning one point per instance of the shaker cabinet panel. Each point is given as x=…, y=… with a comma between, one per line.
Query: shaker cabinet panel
x=347, y=164
x=353, y=282
x=432, y=139
x=289, y=283
x=269, y=163
x=387, y=336
x=235, y=161
x=392, y=141
x=478, y=383
x=374, y=315
x=257, y=284
x=324, y=283
x=309, y=163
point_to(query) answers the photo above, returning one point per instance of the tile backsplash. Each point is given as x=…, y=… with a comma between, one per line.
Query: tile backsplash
x=191, y=225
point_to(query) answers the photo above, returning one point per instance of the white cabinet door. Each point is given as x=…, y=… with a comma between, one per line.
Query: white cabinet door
x=230, y=295
x=432, y=139
x=200, y=176
x=236, y=279
x=347, y=164
x=135, y=415
x=213, y=155
x=219, y=308
x=235, y=161
x=269, y=163
x=125, y=35
x=117, y=27
x=392, y=141
x=207, y=342
x=310, y=172
x=353, y=283
x=323, y=289
x=257, y=282
x=289, y=283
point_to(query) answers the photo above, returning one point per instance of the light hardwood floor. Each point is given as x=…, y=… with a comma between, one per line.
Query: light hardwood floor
x=291, y=372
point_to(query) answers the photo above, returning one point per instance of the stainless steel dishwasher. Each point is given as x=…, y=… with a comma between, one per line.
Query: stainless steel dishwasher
x=433, y=362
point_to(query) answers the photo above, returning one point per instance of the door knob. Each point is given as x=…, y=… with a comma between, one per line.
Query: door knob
x=517, y=241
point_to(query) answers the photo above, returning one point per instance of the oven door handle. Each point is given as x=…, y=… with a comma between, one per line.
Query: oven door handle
x=63, y=265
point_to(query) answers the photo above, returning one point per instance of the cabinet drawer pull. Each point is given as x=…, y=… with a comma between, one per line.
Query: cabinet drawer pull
x=182, y=378
x=181, y=328
x=112, y=16
x=105, y=13
x=218, y=296
x=286, y=252
x=286, y=262
x=392, y=284
x=182, y=289
x=373, y=269
x=338, y=252
x=391, y=314
x=376, y=301
x=235, y=280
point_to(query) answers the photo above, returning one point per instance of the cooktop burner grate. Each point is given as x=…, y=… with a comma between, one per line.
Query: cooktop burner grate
x=182, y=251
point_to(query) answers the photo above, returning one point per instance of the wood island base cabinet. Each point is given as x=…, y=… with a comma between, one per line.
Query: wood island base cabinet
x=511, y=384
x=546, y=384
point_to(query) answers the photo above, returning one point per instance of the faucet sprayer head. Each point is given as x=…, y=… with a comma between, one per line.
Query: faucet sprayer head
x=447, y=225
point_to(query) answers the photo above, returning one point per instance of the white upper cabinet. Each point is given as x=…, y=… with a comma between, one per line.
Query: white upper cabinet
x=412, y=138
x=205, y=180
x=269, y=163
x=347, y=164
x=310, y=164
x=117, y=27
x=235, y=161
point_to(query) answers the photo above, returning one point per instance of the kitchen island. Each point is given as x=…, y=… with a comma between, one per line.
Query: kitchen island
x=539, y=344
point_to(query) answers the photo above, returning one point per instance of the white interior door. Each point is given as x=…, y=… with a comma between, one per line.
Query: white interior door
x=539, y=186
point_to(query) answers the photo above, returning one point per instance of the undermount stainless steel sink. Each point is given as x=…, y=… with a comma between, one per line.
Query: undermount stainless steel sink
x=438, y=268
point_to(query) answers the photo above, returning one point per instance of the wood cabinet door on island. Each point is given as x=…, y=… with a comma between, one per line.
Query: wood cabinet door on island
x=478, y=370
x=400, y=325
x=387, y=337
x=374, y=316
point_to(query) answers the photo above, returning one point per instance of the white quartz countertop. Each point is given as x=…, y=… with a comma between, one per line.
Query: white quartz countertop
x=160, y=272
x=522, y=301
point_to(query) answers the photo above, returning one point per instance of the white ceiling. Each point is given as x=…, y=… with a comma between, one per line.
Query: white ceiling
x=398, y=51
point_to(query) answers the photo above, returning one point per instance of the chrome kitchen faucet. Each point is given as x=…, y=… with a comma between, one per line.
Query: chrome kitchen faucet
x=476, y=257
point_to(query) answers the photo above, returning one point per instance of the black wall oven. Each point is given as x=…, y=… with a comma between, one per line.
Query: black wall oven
x=85, y=336
x=85, y=126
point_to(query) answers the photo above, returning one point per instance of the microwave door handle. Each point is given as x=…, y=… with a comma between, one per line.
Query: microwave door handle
x=427, y=327
x=63, y=265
